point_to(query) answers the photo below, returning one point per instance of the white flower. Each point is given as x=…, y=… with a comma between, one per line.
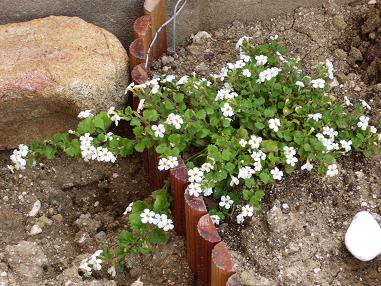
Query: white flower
x=365, y=104
x=373, y=129
x=330, y=69
x=161, y=220
x=86, y=139
x=71, y=131
x=277, y=174
x=347, y=101
x=245, y=58
x=194, y=189
x=246, y=73
x=307, y=166
x=240, y=64
x=183, y=80
x=268, y=74
x=316, y=116
x=274, y=124
x=140, y=105
x=85, y=268
x=130, y=87
x=175, y=120
x=172, y=162
x=273, y=38
x=163, y=164
x=291, y=161
x=240, y=219
x=85, y=114
x=227, y=110
x=226, y=202
x=258, y=156
x=346, y=145
x=363, y=122
x=245, y=173
x=215, y=219
x=289, y=151
x=247, y=211
x=241, y=41
x=318, y=83
x=280, y=56
x=208, y=191
x=112, y=271
x=243, y=143
x=23, y=150
x=169, y=225
x=235, y=181
x=299, y=83
x=255, y=142
x=261, y=60
x=332, y=170
x=155, y=89
x=329, y=131
x=206, y=167
x=87, y=152
x=195, y=175
x=159, y=130
x=128, y=209
x=147, y=216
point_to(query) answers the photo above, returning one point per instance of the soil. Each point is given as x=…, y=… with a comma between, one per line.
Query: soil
x=82, y=211
x=298, y=238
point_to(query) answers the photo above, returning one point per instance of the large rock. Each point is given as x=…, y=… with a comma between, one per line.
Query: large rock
x=51, y=69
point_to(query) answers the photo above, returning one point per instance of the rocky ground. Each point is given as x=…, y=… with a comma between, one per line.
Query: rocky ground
x=82, y=207
x=298, y=238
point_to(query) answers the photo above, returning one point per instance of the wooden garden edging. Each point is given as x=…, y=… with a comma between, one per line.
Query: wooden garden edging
x=208, y=257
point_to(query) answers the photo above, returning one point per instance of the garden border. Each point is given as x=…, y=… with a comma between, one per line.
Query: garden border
x=207, y=255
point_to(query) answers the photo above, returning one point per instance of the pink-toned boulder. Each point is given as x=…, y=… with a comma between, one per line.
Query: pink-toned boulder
x=50, y=70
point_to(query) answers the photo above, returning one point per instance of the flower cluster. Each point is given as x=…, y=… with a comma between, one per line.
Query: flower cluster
x=18, y=158
x=166, y=164
x=289, y=153
x=113, y=116
x=92, y=263
x=246, y=211
x=197, y=184
x=90, y=152
x=268, y=74
x=175, y=120
x=160, y=220
x=85, y=114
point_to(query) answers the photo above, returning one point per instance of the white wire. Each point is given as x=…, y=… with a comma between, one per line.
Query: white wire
x=176, y=12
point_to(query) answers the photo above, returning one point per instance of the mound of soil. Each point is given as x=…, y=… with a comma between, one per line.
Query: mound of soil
x=298, y=238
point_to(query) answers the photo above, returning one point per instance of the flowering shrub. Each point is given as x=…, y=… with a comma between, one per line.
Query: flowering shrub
x=259, y=119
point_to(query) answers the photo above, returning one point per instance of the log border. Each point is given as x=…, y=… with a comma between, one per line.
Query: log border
x=208, y=257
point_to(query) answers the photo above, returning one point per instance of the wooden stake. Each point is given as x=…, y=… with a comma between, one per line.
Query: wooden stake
x=143, y=29
x=207, y=238
x=222, y=265
x=137, y=54
x=194, y=209
x=179, y=182
x=157, y=10
x=234, y=281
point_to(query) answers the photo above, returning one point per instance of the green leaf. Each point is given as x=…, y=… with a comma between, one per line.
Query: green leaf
x=268, y=146
x=178, y=97
x=161, y=201
x=102, y=121
x=162, y=148
x=270, y=112
x=150, y=115
x=157, y=236
x=74, y=149
x=247, y=194
x=135, y=122
x=49, y=152
x=175, y=139
x=126, y=237
x=140, y=147
x=201, y=114
x=86, y=126
x=226, y=155
x=265, y=177
x=259, y=125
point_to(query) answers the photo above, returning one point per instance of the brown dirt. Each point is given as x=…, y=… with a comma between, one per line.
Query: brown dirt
x=67, y=189
x=298, y=237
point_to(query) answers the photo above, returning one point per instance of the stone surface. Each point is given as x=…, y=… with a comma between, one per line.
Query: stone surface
x=51, y=69
x=25, y=261
x=363, y=237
